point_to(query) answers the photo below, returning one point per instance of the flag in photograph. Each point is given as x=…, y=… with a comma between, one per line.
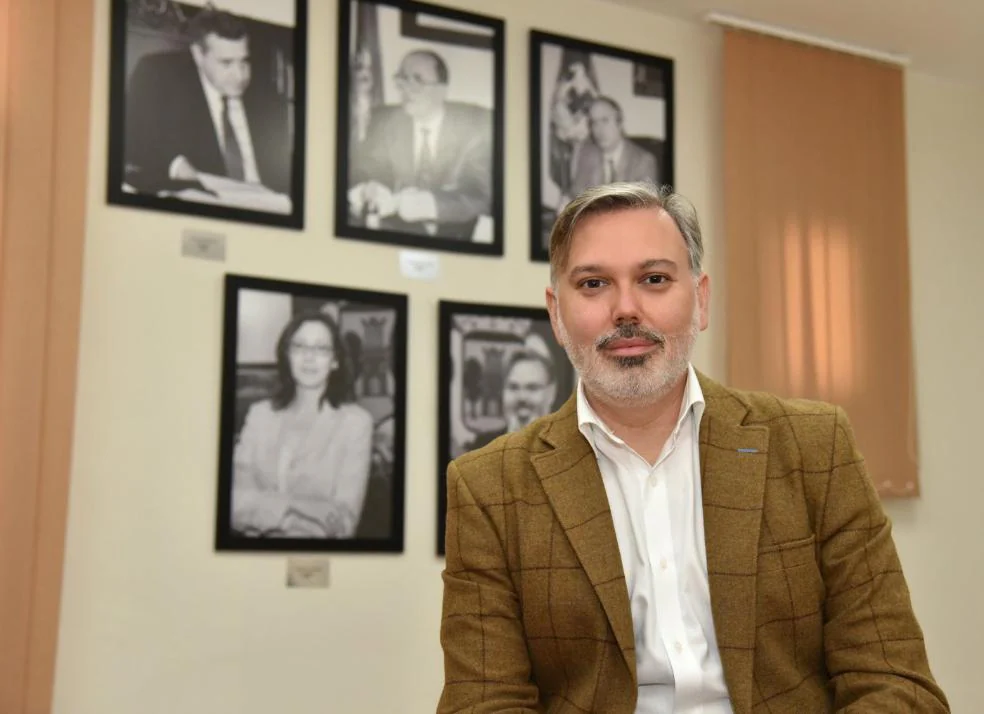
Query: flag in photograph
x=576, y=86
x=367, y=72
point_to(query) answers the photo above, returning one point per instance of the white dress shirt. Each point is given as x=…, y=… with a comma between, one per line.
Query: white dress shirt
x=659, y=525
x=237, y=117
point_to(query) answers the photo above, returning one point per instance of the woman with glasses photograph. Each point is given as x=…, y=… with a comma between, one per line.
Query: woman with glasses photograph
x=302, y=461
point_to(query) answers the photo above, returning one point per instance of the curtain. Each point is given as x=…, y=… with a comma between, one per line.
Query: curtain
x=816, y=239
x=45, y=84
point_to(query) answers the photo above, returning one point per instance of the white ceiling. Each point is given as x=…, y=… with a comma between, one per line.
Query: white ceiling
x=940, y=37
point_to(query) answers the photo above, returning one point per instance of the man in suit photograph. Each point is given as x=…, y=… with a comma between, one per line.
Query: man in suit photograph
x=197, y=111
x=610, y=156
x=662, y=542
x=425, y=166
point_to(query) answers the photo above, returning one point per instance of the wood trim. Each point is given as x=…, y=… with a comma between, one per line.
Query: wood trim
x=45, y=85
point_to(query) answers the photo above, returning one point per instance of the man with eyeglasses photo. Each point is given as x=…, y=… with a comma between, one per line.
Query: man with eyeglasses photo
x=425, y=166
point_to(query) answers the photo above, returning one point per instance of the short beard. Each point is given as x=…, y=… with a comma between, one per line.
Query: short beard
x=633, y=379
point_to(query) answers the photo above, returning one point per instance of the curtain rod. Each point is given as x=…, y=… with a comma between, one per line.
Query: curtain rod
x=742, y=24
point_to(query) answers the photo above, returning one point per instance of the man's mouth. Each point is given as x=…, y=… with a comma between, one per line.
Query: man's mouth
x=630, y=347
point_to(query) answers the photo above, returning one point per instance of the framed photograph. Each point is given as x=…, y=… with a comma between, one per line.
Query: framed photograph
x=313, y=418
x=500, y=368
x=420, y=141
x=599, y=114
x=207, y=107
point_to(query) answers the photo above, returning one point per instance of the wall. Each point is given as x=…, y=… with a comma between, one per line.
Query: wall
x=154, y=621
x=939, y=536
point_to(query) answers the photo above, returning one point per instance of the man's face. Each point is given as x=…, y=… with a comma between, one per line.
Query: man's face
x=225, y=63
x=606, y=129
x=626, y=307
x=527, y=395
x=421, y=92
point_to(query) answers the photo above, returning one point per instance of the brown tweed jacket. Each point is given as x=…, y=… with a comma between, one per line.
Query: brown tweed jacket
x=811, y=609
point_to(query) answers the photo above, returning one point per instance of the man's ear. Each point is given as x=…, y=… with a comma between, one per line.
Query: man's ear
x=552, y=307
x=704, y=299
x=197, y=54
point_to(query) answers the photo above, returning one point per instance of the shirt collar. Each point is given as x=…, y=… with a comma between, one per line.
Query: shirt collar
x=616, y=153
x=433, y=125
x=588, y=419
x=213, y=95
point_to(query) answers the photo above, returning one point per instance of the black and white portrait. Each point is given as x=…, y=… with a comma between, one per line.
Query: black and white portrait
x=313, y=398
x=500, y=369
x=420, y=140
x=599, y=115
x=207, y=108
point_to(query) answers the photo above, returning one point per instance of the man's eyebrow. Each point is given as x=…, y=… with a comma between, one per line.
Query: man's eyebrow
x=590, y=268
x=658, y=263
x=644, y=265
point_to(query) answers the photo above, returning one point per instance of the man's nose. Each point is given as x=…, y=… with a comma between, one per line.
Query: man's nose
x=626, y=305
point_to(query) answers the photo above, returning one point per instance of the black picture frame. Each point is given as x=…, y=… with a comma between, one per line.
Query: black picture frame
x=501, y=333
x=158, y=106
x=369, y=426
x=564, y=158
x=375, y=144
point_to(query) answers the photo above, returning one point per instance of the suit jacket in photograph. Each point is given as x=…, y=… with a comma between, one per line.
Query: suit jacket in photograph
x=167, y=116
x=634, y=164
x=811, y=609
x=463, y=164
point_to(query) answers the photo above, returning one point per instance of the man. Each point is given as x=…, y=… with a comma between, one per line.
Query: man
x=197, y=111
x=663, y=543
x=426, y=165
x=610, y=156
x=527, y=393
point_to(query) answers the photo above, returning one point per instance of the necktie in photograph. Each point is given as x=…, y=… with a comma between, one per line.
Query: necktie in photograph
x=425, y=161
x=611, y=171
x=233, y=153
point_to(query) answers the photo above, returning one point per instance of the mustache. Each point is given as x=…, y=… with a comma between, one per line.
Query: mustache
x=630, y=331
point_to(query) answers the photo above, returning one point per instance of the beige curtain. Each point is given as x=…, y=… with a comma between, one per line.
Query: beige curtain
x=45, y=82
x=816, y=239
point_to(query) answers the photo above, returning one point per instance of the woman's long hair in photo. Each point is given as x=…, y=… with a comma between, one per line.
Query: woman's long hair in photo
x=337, y=384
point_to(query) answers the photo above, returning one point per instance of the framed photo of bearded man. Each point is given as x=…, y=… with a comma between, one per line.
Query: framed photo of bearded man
x=500, y=368
x=207, y=108
x=420, y=143
x=599, y=114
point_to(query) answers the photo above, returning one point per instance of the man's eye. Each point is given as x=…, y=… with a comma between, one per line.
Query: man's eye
x=592, y=283
x=656, y=279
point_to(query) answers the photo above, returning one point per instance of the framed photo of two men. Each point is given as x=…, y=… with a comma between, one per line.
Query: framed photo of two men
x=500, y=368
x=207, y=108
x=599, y=114
x=420, y=126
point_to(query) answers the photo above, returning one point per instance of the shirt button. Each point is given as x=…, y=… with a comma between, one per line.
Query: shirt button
x=677, y=646
x=662, y=564
x=653, y=480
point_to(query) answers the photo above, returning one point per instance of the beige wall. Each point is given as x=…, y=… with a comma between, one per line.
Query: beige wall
x=153, y=621
x=939, y=536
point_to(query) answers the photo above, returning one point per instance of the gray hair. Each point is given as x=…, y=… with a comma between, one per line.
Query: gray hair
x=613, y=197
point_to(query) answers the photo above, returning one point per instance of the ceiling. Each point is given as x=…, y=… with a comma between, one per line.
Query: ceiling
x=940, y=37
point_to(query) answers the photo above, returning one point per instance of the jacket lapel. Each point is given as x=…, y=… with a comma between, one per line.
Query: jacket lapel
x=571, y=479
x=733, y=461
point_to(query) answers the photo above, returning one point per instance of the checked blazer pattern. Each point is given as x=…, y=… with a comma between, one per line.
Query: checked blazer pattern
x=810, y=605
